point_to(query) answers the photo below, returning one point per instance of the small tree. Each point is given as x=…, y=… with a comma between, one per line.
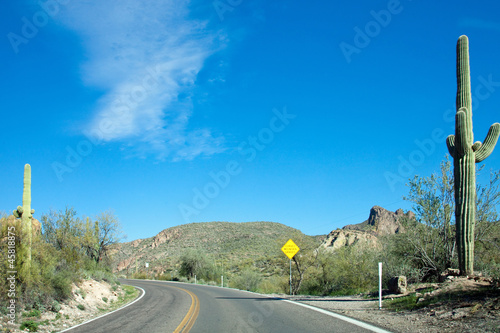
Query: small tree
x=64, y=230
x=107, y=232
x=429, y=240
x=428, y=245
x=194, y=262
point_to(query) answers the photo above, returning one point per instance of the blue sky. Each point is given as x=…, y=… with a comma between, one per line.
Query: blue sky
x=170, y=112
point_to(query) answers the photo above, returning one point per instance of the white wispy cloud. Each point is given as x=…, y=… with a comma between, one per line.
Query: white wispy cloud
x=145, y=56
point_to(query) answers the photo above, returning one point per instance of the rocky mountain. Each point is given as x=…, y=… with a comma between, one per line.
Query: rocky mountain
x=380, y=222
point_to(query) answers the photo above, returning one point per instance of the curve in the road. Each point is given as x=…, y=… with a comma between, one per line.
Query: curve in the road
x=190, y=318
x=178, y=307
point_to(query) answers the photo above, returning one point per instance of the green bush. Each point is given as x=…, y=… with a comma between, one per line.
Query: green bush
x=346, y=271
x=103, y=275
x=164, y=277
x=56, y=307
x=35, y=299
x=81, y=307
x=61, y=283
x=273, y=285
x=195, y=262
x=246, y=280
x=140, y=275
x=29, y=325
x=492, y=270
x=33, y=313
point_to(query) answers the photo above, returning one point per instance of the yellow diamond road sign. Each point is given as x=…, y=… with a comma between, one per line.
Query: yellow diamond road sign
x=290, y=249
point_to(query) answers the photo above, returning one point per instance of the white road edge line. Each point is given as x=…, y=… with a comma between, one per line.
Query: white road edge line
x=104, y=315
x=341, y=317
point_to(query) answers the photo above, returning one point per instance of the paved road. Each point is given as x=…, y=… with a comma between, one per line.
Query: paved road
x=180, y=307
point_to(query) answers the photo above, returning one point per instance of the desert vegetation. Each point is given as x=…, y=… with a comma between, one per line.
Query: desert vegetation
x=67, y=249
x=248, y=255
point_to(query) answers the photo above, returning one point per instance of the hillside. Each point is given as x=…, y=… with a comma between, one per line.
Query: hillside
x=226, y=243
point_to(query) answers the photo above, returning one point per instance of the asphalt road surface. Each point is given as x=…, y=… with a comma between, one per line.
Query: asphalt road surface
x=181, y=307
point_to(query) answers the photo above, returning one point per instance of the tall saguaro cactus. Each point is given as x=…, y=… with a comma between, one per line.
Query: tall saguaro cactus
x=465, y=154
x=26, y=213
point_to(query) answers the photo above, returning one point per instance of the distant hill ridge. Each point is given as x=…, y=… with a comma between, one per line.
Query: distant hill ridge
x=232, y=243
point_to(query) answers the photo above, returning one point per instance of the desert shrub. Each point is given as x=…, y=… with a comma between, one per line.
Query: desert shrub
x=61, y=284
x=273, y=285
x=103, y=275
x=81, y=307
x=196, y=262
x=315, y=283
x=491, y=270
x=164, y=277
x=55, y=306
x=34, y=299
x=29, y=325
x=247, y=279
x=347, y=270
x=33, y=313
x=140, y=275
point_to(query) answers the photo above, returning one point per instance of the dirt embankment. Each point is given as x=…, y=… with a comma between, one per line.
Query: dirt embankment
x=89, y=299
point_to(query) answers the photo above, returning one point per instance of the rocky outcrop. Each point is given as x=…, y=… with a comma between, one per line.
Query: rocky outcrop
x=382, y=222
x=128, y=263
x=136, y=243
x=340, y=238
x=165, y=236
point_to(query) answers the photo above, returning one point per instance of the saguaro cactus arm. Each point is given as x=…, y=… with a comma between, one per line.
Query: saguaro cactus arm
x=450, y=143
x=463, y=135
x=489, y=143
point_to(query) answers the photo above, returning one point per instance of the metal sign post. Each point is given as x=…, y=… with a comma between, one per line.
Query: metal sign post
x=290, y=249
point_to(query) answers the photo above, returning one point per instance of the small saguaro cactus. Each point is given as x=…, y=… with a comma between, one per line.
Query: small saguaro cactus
x=26, y=213
x=466, y=153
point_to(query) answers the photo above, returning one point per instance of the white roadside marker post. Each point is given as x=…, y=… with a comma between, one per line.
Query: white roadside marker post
x=380, y=285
